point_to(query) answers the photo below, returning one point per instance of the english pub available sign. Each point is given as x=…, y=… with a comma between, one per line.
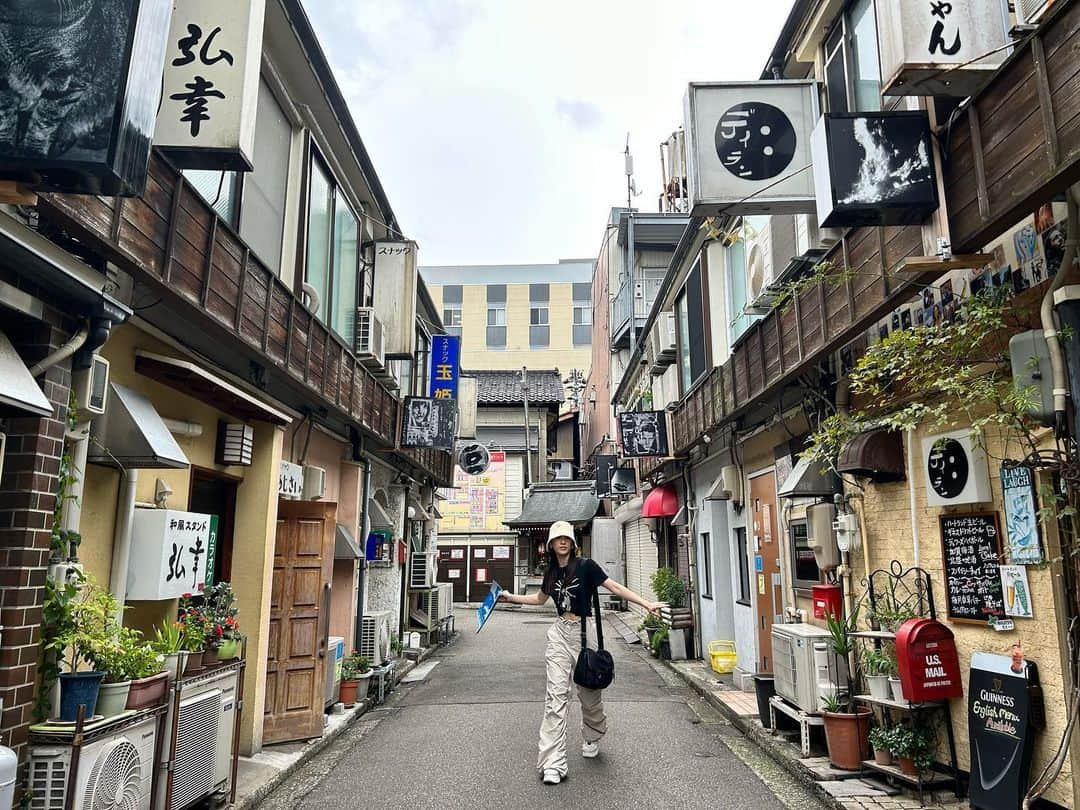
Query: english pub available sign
x=1001, y=712
x=211, y=84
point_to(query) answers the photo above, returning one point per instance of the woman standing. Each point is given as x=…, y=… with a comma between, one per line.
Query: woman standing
x=571, y=582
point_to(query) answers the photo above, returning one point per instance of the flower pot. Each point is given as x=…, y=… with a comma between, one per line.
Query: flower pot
x=348, y=692
x=229, y=650
x=897, y=690
x=883, y=756
x=112, y=698
x=878, y=686
x=175, y=663
x=665, y=650
x=764, y=689
x=148, y=692
x=194, y=663
x=78, y=689
x=848, y=738
x=210, y=657
x=907, y=766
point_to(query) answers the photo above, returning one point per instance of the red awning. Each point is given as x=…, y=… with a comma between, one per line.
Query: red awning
x=662, y=501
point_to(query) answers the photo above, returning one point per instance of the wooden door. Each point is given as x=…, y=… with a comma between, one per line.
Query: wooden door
x=299, y=619
x=497, y=565
x=454, y=568
x=766, y=548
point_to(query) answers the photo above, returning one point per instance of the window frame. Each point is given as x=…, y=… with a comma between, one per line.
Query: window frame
x=800, y=583
x=705, y=571
x=742, y=551
x=845, y=50
x=498, y=307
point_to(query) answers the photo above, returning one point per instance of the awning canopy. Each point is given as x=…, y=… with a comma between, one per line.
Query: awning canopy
x=19, y=394
x=572, y=501
x=345, y=545
x=808, y=481
x=131, y=434
x=876, y=454
x=660, y=502
x=190, y=379
x=377, y=517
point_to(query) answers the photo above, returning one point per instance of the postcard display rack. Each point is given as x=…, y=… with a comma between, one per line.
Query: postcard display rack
x=907, y=592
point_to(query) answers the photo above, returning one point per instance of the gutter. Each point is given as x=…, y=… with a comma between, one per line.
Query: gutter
x=779, y=54
x=693, y=239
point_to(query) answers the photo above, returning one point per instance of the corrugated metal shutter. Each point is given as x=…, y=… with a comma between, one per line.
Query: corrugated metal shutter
x=640, y=557
x=514, y=481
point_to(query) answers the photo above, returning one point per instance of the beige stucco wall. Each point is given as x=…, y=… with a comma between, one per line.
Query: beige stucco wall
x=885, y=520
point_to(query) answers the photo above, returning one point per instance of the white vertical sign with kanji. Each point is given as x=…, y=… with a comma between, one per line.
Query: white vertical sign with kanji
x=211, y=84
x=168, y=554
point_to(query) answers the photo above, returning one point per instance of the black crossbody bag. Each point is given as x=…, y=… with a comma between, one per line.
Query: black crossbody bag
x=595, y=669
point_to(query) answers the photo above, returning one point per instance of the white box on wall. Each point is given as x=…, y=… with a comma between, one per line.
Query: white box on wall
x=956, y=470
x=168, y=554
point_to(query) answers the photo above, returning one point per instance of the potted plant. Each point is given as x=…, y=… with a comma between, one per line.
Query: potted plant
x=79, y=615
x=149, y=680
x=877, y=665
x=661, y=644
x=847, y=726
x=223, y=630
x=169, y=642
x=896, y=686
x=355, y=669
x=650, y=624
x=111, y=658
x=671, y=590
x=193, y=621
x=914, y=747
x=882, y=743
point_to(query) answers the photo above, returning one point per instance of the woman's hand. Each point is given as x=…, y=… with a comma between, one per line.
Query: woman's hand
x=505, y=597
x=654, y=607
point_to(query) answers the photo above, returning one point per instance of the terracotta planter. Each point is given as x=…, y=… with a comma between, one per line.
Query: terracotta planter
x=907, y=766
x=883, y=756
x=148, y=692
x=210, y=657
x=113, y=698
x=194, y=663
x=848, y=738
x=348, y=692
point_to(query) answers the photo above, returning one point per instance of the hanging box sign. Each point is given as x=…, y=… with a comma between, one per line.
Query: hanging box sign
x=927, y=660
x=169, y=553
x=84, y=78
x=1004, y=707
x=211, y=84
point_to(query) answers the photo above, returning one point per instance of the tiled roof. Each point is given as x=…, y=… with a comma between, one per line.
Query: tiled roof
x=504, y=387
x=574, y=501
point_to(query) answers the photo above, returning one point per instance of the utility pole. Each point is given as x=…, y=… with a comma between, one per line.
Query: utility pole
x=528, y=451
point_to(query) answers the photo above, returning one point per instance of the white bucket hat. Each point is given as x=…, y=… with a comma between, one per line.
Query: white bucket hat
x=561, y=528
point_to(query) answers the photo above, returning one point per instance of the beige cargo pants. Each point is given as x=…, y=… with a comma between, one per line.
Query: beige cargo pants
x=563, y=645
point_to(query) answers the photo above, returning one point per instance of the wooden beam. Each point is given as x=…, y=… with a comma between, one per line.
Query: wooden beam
x=1046, y=106
x=210, y=242
x=980, y=166
x=935, y=264
x=13, y=193
x=174, y=227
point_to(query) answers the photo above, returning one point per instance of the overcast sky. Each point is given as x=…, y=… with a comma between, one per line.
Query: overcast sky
x=497, y=126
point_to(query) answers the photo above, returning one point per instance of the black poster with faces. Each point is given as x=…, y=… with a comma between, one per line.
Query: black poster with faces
x=971, y=557
x=643, y=434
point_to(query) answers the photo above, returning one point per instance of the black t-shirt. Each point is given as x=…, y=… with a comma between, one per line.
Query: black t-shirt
x=572, y=588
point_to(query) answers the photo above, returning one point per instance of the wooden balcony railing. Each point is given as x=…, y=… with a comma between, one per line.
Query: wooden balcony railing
x=821, y=319
x=172, y=240
x=1017, y=141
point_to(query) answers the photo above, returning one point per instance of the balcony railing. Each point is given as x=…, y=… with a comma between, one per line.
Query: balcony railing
x=171, y=239
x=624, y=303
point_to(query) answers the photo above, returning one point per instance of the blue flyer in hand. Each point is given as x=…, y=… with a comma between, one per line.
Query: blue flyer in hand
x=487, y=605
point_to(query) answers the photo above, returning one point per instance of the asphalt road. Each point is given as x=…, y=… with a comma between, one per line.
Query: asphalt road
x=467, y=738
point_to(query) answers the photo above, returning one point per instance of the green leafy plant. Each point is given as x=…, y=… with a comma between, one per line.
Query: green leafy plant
x=220, y=612
x=89, y=627
x=833, y=703
x=659, y=637
x=879, y=661
x=914, y=742
x=881, y=738
x=841, y=644
x=395, y=644
x=668, y=587
x=353, y=666
x=169, y=638
x=142, y=660
x=195, y=625
x=650, y=622
x=57, y=621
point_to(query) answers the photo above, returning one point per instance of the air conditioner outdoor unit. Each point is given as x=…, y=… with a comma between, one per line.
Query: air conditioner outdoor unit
x=115, y=770
x=375, y=637
x=446, y=598
x=369, y=338
x=767, y=253
x=94, y=393
x=798, y=680
x=562, y=470
x=1029, y=12
x=662, y=338
x=422, y=566
x=314, y=483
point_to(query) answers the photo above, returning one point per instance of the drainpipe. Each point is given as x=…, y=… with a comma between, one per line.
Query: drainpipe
x=1057, y=356
x=528, y=452
x=909, y=436
x=125, y=519
x=691, y=554
x=63, y=353
x=364, y=518
x=630, y=278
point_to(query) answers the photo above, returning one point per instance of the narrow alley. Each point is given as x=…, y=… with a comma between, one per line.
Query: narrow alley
x=466, y=737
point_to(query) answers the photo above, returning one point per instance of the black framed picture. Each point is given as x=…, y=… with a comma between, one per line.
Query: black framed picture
x=428, y=422
x=644, y=434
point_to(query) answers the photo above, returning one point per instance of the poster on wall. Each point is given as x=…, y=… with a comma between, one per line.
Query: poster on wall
x=476, y=502
x=971, y=554
x=1021, y=513
x=1014, y=585
x=643, y=433
x=428, y=423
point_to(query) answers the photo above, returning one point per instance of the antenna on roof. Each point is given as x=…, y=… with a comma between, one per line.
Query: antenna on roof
x=631, y=188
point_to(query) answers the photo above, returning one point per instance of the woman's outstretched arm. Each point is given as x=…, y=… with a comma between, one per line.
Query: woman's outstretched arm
x=537, y=598
x=625, y=593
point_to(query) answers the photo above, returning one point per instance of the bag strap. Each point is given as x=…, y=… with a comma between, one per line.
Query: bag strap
x=599, y=621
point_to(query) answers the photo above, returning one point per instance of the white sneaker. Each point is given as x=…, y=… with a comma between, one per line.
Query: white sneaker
x=551, y=777
x=590, y=750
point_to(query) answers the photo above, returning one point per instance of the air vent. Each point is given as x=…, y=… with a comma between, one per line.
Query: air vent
x=196, y=745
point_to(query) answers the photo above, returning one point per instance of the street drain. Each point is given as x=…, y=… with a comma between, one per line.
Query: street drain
x=537, y=621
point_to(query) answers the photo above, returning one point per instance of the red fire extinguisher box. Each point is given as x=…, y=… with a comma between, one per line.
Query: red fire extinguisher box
x=928, y=663
x=827, y=600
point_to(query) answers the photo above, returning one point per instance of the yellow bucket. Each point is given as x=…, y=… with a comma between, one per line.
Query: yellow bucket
x=722, y=656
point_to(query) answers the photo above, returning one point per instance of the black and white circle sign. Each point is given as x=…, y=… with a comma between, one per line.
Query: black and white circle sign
x=755, y=141
x=947, y=468
x=473, y=459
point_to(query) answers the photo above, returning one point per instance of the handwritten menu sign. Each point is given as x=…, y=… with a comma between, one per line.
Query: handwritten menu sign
x=971, y=553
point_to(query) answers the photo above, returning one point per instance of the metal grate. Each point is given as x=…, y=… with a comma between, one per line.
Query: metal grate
x=196, y=745
x=48, y=778
x=374, y=637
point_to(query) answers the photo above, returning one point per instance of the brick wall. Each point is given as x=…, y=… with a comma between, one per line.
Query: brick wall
x=27, y=501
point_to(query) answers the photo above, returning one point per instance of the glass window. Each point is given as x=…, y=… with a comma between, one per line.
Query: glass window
x=320, y=207
x=539, y=329
x=743, y=564
x=262, y=220
x=496, y=326
x=684, y=342
x=539, y=337
x=423, y=364
x=582, y=321
x=345, y=269
x=538, y=315
x=706, y=567
x=803, y=564
x=452, y=318
x=835, y=71
x=735, y=260
x=852, y=71
x=496, y=316
x=220, y=189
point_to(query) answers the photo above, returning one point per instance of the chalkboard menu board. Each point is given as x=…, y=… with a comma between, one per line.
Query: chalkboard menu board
x=971, y=554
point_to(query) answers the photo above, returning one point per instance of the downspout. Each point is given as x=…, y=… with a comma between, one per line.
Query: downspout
x=847, y=581
x=528, y=453
x=630, y=280
x=1046, y=313
x=365, y=517
x=691, y=554
x=909, y=438
x=63, y=353
x=125, y=519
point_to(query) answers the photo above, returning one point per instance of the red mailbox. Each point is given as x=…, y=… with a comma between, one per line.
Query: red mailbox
x=827, y=599
x=929, y=665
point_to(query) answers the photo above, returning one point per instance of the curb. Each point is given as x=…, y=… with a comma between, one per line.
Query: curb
x=256, y=797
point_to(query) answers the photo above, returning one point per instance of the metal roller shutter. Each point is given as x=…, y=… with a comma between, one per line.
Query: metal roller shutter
x=640, y=558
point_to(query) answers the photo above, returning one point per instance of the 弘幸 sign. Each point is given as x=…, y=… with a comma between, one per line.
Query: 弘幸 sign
x=445, y=365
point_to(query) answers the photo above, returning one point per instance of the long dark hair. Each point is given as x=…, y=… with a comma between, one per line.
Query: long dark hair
x=553, y=567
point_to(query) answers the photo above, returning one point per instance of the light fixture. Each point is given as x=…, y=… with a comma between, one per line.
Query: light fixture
x=235, y=444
